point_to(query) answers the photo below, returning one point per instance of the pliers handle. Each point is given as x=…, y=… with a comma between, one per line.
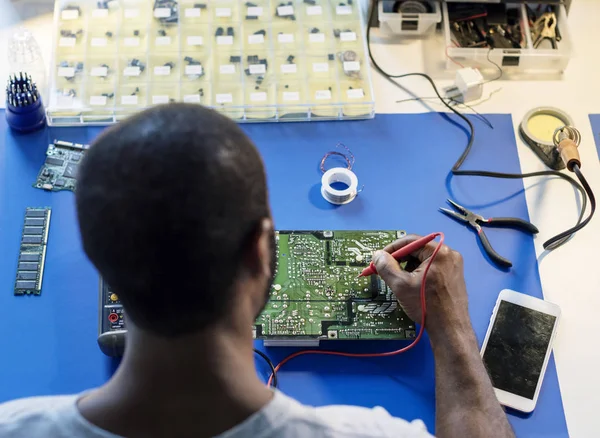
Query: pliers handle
x=476, y=221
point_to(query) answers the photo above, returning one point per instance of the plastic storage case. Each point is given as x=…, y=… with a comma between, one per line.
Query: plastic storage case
x=529, y=60
x=256, y=60
x=408, y=24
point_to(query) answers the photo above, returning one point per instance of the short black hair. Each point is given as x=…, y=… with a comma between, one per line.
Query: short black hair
x=166, y=202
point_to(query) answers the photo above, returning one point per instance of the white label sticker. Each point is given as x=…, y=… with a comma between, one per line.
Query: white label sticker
x=162, y=98
x=193, y=69
x=343, y=10
x=162, y=70
x=162, y=12
x=163, y=41
x=320, y=67
x=131, y=41
x=291, y=96
x=195, y=41
x=225, y=40
x=257, y=69
x=67, y=42
x=227, y=69
x=256, y=39
x=100, y=13
x=316, y=37
x=66, y=72
x=351, y=66
x=314, y=10
x=192, y=12
x=323, y=95
x=131, y=13
x=255, y=11
x=98, y=42
x=131, y=71
x=129, y=100
x=284, y=11
x=258, y=97
x=223, y=12
x=224, y=98
x=355, y=93
x=70, y=14
x=65, y=101
x=289, y=68
x=99, y=71
x=98, y=100
x=285, y=37
x=348, y=36
x=191, y=98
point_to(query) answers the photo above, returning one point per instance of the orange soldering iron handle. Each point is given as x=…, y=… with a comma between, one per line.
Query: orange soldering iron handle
x=402, y=252
x=569, y=153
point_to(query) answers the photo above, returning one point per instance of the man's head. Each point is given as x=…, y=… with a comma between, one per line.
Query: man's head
x=173, y=212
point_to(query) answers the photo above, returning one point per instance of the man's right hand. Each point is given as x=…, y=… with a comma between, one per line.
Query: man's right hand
x=445, y=295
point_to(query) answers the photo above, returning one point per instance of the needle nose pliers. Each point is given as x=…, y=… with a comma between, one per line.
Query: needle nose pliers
x=475, y=221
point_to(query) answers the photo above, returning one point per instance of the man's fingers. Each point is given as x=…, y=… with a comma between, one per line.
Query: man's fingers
x=388, y=267
x=421, y=254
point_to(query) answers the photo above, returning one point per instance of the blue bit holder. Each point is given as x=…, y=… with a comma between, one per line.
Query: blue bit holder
x=24, y=108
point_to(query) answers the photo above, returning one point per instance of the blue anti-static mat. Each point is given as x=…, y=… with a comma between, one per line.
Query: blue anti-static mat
x=49, y=342
x=595, y=121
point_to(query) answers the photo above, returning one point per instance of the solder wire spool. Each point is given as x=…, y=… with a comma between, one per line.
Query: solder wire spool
x=341, y=175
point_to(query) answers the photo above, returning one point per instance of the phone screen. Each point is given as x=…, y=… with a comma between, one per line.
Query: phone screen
x=516, y=348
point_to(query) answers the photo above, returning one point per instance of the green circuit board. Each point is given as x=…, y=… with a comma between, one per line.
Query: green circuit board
x=59, y=170
x=317, y=294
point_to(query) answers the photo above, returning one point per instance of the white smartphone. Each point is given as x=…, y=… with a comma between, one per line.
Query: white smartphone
x=517, y=347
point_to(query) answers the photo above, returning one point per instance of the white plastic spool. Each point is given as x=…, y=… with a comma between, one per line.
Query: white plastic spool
x=343, y=175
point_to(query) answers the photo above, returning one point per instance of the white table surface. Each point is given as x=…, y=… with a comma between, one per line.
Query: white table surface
x=570, y=275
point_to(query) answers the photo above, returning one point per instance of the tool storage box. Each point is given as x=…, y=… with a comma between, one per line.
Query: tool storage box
x=253, y=60
x=530, y=60
x=408, y=24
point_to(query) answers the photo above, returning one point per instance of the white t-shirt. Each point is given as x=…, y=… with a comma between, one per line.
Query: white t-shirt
x=282, y=417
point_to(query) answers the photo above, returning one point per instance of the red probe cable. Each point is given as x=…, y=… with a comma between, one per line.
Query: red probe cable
x=389, y=353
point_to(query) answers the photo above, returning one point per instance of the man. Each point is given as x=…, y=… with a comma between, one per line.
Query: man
x=173, y=212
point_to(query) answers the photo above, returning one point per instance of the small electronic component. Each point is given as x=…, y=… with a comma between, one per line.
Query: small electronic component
x=316, y=294
x=32, y=255
x=60, y=168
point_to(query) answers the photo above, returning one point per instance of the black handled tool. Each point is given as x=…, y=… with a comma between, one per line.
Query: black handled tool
x=475, y=221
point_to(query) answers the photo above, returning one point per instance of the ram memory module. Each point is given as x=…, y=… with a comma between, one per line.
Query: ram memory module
x=32, y=255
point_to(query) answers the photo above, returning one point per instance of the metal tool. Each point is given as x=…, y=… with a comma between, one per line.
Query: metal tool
x=476, y=221
x=545, y=29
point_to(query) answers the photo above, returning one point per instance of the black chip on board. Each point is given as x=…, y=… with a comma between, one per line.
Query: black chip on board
x=71, y=171
x=29, y=257
x=75, y=157
x=54, y=161
x=25, y=285
x=34, y=230
x=31, y=239
x=59, y=182
x=26, y=275
x=34, y=222
x=35, y=213
x=28, y=266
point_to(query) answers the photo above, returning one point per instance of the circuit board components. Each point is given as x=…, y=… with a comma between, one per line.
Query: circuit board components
x=317, y=295
x=32, y=255
x=60, y=167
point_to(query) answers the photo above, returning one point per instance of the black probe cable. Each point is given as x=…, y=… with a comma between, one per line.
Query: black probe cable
x=553, y=242
x=271, y=365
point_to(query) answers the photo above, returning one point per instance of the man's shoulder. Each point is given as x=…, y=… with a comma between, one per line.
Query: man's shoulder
x=356, y=421
x=31, y=412
x=285, y=416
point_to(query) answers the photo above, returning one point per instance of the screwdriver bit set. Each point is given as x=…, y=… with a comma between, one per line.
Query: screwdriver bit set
x=24, y=109
x=252, y=60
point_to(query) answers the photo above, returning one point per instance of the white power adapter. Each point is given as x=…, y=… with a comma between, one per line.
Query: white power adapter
x=468, y=85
